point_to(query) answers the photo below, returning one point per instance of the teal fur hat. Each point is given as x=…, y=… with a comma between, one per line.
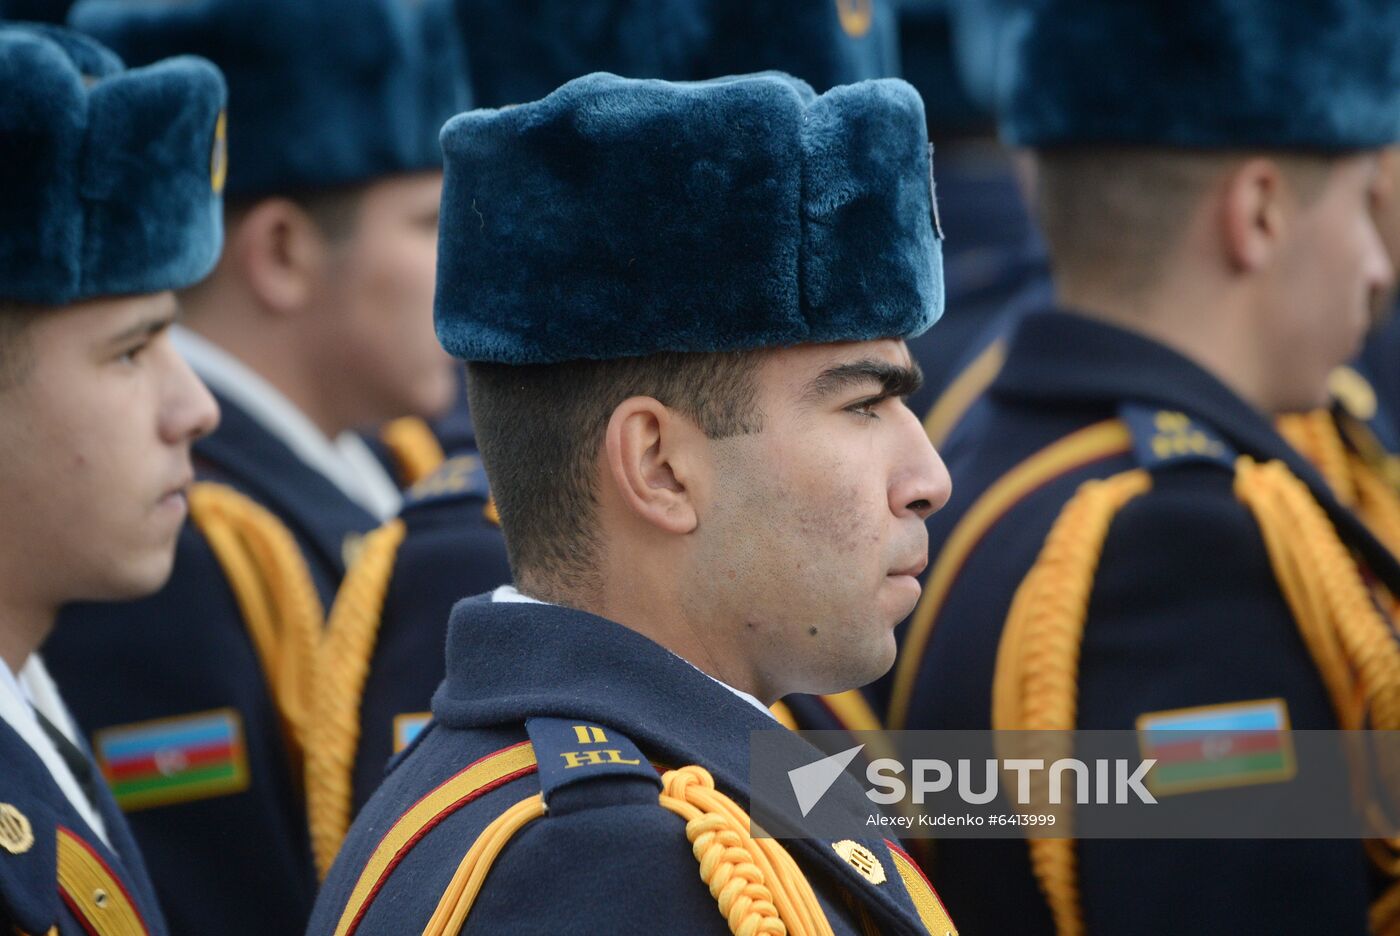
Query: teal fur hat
x=322, y=93
x=112, y=177
x=1207, y=74
x=521, y=50
x=622, y=217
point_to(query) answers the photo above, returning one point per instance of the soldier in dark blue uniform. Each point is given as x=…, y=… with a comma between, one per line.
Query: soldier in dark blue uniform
x=386, y=634
x=315, y=322
x=111, y=200
x=1124, y=499
x=682, y=307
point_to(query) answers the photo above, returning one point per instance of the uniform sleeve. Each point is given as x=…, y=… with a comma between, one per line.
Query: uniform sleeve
x=621, y=870
x=1186, y=612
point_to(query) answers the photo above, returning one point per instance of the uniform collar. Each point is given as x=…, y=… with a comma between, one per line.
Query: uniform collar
x=509, y=594
x=510, y=661
x=245, y=455
x=1062, y=358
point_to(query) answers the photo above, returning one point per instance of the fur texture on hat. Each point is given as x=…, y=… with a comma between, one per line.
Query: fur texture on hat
x=112, y=177
x=620, y=217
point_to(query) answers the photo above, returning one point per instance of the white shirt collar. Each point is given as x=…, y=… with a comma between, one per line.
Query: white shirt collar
x=346, y=461
x=508, y=594
x=34, y=689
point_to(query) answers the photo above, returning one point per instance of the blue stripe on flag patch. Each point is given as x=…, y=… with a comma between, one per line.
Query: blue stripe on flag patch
x=149, y=737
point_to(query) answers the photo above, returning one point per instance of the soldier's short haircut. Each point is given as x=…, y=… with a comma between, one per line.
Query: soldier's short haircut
x=1114, y=214
x=336, y=211
x=540, y=429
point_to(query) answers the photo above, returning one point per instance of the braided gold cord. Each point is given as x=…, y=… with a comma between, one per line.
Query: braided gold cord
x=1351, y=641
x=1037, y=669
x=1315, y=436
x=341, y=668
x=275, y=594
x=757, y=884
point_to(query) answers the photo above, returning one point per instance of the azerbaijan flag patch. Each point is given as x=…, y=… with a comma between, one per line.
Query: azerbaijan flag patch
x=174, y=760
x=1217, y=746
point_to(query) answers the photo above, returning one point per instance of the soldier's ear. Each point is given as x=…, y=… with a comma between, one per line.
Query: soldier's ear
x=1253, y=213
x=280, y=254
x=651, y=462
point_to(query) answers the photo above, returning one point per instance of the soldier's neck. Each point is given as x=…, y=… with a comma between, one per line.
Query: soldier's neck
x=1213, y=330
x=23, y=629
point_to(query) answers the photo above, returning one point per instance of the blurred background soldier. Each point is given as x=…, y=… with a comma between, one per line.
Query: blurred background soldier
x=1207, y=199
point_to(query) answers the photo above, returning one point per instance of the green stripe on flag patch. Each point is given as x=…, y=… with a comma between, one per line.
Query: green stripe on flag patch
x=1270, y=767
x=215, y=780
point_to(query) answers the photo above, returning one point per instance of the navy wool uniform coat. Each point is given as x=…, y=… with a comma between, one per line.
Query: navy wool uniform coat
x=1185, y=611
x=56, y=874
x=230, y=856
x=607, y=858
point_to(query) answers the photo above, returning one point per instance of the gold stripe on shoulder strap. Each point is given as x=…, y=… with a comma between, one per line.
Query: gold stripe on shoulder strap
x=416, y=450
x=502, y=766
x=341, y=668
x=966, y=388
x=92, y=892
x=931, y=910
x=276, y=596
x=1083, y=447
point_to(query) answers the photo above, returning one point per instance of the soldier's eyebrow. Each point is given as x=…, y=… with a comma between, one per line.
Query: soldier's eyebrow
x=892, y=379
x=148, y=326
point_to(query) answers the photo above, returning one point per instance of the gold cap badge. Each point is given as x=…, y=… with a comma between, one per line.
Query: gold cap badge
x=218, y=158
x=856, y=16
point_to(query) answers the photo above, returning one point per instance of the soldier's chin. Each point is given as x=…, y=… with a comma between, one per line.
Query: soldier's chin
x=141, y=576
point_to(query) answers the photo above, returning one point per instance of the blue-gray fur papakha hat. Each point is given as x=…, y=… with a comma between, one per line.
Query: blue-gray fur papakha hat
x=322, y=93
x=1206, y=74
x=109, y=178
x=622, y=217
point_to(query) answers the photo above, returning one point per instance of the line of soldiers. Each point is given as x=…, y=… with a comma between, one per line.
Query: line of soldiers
x=687, y=466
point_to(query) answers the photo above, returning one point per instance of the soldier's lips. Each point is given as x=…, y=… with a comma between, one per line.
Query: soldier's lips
x=176, y=498
x=913, y=570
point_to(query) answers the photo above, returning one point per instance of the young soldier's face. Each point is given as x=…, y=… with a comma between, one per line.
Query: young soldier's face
x=1334, y=273
x=816, y=534
x=95, y=433
x=379, y=292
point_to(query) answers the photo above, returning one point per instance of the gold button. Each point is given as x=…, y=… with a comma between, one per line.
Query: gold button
x=16, y=834
x=99, y=897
